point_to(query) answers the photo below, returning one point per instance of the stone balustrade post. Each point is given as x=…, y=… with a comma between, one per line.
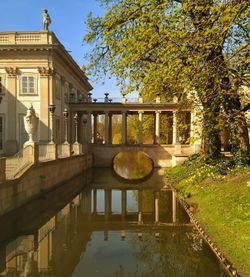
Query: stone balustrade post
x=31, y=152
x=52, y=151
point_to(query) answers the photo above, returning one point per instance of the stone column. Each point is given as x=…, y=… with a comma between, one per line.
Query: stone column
x=157, y=127
x=124, y=204
x=94, y=201
x=110, y=128
x=139, y=206
x=11, y=136
x=174, y=206
x=156, y=196
x=174, y=127
x=108, y=200
x=89, y=127
x=124, y=127
x=88, y=204
x=106, y=128
x=140, y=127
x=95, y=127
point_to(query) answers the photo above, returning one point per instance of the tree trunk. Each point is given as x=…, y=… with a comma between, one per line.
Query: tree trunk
x=211, y=131
x=238, y=128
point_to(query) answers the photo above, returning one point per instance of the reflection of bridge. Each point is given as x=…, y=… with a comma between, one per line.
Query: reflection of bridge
x=160, y=153
x=53, y=238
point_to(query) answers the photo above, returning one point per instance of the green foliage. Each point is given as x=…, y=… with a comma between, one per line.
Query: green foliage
x=173, y=47
x=196, y=169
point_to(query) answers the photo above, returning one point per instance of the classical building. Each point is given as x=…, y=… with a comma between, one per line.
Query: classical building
x=36, y=69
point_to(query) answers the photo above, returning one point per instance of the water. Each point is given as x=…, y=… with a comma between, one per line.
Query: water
x=132, y=165
x=108, y=228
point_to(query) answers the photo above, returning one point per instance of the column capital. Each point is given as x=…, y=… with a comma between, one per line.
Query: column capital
x=11, y=71
x=157, y=112
x=140, y=112
x=46, y=71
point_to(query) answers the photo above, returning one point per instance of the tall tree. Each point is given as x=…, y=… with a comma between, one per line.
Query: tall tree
x=174, y=47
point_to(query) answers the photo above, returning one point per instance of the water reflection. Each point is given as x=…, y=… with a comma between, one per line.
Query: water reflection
x=104, y=230
x=132, y=164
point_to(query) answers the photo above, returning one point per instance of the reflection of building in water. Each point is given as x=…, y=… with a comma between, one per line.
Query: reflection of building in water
x=55, y=247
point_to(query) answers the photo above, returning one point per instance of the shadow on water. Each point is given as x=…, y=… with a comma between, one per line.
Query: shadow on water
x=107, y=228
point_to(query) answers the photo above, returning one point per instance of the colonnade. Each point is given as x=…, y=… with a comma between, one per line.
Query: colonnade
x=90, y=205
x=91, y=126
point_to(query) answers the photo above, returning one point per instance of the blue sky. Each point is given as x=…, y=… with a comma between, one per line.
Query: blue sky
x=68, y=23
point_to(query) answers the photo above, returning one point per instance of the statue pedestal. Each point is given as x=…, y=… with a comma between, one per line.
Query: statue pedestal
x=31, y=152
x=52, y=151
x=66, y=150
x=77, y=148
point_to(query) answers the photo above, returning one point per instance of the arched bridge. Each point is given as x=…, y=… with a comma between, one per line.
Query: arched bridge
x=166, y=148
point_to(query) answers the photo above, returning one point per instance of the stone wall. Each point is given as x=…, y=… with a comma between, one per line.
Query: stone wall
x=160, y=154
x=39, y=178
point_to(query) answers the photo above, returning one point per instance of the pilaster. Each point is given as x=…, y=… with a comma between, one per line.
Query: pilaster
x=46, y=97
x=11, y=136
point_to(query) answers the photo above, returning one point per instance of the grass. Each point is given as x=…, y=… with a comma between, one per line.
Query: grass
x=223, y=206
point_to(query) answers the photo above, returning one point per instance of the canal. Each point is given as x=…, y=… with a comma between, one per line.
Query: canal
x=99, y=225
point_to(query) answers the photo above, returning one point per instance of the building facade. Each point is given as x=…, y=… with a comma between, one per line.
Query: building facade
x=36, y=69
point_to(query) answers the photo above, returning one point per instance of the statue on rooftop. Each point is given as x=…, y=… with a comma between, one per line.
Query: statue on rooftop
x=46, y=20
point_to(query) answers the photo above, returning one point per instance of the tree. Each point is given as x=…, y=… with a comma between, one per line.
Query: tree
x=174, y=47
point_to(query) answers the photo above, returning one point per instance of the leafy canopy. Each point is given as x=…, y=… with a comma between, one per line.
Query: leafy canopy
x=159, y=46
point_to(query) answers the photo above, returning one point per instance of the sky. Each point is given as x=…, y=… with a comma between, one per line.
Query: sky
x=68, y=23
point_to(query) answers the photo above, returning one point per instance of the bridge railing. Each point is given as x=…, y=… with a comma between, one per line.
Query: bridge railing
x=135, y=100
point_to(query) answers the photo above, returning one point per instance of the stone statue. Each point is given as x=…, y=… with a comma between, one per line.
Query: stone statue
x=31, y=123
x=46, y=20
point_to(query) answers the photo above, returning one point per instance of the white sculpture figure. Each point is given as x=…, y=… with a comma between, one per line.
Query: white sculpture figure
x=31, y=123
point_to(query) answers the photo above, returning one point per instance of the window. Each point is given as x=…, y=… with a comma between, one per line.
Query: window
x=28, y=85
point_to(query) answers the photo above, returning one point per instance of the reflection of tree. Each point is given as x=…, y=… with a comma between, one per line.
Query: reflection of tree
x=171, y=255
x=116, y=130
x=132, y=164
